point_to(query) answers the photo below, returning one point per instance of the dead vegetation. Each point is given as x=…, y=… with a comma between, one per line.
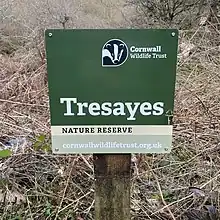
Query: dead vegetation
x=34, y=184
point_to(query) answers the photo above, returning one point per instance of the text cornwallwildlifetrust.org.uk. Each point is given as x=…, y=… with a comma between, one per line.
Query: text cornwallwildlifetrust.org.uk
x=106, y=145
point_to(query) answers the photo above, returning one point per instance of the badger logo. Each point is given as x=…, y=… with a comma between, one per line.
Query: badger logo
x=114, y=53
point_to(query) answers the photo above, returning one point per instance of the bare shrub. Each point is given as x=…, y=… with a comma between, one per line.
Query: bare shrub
x=182, y=14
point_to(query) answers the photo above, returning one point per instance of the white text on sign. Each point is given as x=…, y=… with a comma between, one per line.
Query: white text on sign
x=108, y=108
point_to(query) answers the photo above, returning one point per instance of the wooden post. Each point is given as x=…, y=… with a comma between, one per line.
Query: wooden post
x=112, y=186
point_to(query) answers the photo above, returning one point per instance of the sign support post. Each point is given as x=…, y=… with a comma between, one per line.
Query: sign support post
x=112, y=186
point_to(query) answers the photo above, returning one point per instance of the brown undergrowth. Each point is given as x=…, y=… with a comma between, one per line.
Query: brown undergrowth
x=35, y=184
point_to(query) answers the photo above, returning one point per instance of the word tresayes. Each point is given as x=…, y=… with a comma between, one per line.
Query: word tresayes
x=108, y=108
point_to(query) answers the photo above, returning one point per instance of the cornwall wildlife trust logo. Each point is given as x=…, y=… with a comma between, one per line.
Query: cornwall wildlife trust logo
x=114, y=53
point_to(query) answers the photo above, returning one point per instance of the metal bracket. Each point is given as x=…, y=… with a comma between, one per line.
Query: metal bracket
x=169, y=115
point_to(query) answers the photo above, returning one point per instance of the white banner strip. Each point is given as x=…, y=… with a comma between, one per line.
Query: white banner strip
x=113, y=130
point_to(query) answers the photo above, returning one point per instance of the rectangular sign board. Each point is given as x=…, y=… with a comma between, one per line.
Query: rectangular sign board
x=111, y=90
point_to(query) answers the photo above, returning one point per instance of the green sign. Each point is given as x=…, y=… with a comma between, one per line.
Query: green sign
x=111, y=91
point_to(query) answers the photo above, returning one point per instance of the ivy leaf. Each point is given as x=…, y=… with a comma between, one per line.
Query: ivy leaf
x=48, y=209
x=41, y=138
x=5, y=153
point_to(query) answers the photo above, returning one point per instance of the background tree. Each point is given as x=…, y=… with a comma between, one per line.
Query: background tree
x=176, y=13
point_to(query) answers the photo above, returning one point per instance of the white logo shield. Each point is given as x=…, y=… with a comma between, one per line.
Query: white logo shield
x=114, y=53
